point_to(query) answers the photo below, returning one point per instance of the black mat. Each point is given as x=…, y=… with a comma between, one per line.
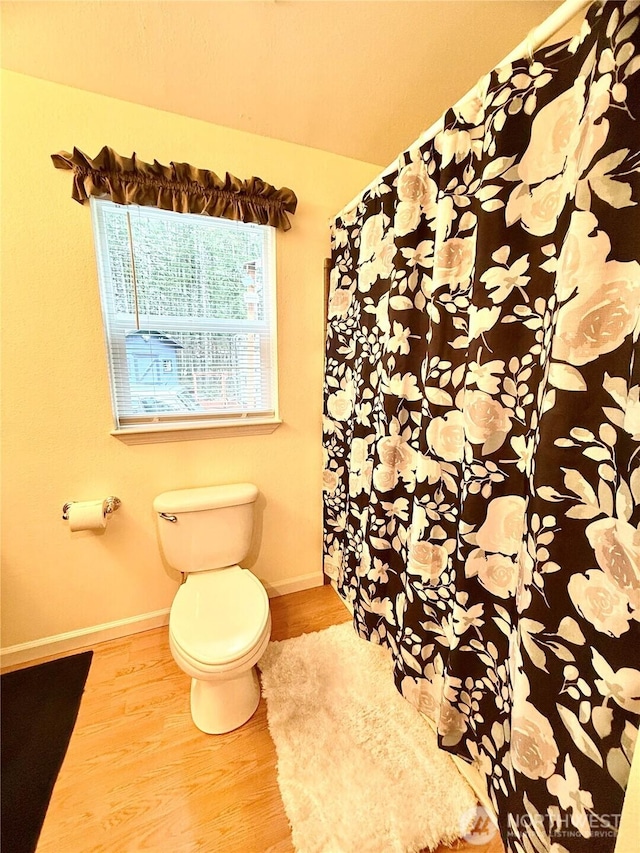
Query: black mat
x=38, y=712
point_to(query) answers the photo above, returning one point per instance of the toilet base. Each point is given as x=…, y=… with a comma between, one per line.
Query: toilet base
x=223, y=705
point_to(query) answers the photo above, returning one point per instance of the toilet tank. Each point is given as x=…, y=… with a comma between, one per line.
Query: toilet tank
x=212, y=527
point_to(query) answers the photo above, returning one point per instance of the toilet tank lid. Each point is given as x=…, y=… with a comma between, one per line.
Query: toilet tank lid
x=205, y=497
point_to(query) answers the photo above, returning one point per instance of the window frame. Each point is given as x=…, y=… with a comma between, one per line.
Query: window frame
x=158, y=427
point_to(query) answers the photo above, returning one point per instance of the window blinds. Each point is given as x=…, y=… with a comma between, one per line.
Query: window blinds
x=189, y=317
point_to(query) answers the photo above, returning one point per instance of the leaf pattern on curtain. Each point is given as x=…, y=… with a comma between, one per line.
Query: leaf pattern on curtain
x=482, y=430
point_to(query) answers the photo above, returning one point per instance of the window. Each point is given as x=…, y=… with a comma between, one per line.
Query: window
x=189, y=312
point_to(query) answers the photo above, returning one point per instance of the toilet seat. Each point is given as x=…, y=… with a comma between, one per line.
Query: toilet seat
x=219, y=617
x=206, y=671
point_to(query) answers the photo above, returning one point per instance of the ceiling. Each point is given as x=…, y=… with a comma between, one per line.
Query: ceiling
x=353, y=77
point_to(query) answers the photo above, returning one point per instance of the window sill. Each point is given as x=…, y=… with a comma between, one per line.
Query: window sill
x=193, y=432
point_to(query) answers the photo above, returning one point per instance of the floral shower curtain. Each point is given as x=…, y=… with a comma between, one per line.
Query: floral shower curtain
x=482, y=430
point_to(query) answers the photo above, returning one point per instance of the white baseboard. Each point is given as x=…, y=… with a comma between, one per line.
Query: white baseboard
x=24, y=653
x=81, y=638
x=296, y=584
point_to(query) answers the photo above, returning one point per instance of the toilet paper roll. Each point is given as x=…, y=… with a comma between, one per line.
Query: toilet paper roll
x=87, y=515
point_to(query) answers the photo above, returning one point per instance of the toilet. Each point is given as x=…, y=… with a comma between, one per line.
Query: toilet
x=220, y=623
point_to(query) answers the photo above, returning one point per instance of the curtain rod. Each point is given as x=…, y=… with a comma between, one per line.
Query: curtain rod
x=535, y=39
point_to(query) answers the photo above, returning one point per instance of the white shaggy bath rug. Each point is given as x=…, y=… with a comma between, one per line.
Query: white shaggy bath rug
x=358, y=767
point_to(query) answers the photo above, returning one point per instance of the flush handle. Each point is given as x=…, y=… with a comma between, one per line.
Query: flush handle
x=171, y=518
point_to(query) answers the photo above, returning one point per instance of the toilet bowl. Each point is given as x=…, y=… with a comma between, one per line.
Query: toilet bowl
x=219, y=623
x=219, y=627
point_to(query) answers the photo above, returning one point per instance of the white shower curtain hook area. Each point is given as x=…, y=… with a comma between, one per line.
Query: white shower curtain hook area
x=530, y=46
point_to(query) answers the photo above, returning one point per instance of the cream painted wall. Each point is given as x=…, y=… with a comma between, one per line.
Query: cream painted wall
x=56, y=407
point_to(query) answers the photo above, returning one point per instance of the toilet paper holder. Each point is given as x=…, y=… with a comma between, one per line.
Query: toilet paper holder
x=109, y=505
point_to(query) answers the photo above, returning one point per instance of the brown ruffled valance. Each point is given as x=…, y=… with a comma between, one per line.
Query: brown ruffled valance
x=178, y=187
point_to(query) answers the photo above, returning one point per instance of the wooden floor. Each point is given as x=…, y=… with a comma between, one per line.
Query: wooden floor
x=139, y=776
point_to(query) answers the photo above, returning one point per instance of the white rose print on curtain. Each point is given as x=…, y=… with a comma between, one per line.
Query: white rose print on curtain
x=482, y=430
